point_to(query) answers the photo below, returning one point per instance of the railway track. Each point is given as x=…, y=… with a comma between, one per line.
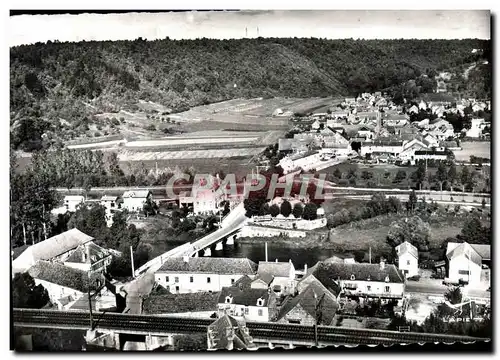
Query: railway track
x=262, y=331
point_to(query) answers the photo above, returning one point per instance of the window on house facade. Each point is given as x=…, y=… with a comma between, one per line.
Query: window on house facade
x=291, y=321
x=260, y=312
x=463, y=272
x=407, y=262
x=167, y=279
x=232, y=281
x=176, y=289
x=191, y=279
x=246, y=311
x=369, y=288
x=208, y=280
x=176, y=279
x=387, y=289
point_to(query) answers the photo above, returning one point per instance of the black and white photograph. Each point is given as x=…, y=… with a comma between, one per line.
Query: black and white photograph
x=250, y=180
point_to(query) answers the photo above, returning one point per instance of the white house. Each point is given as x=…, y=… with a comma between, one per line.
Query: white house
x=71, y=202
x=441, y=129
x=186, y=274
x=407, y=259
x=431, y=140
x=413, y=110
x=56, y=248
x=366, y=133
x=409, y=148
x=250, y=304
x=360, y=280
x=382, y=147
x=316, y=125
x=476, y=128
x=282, y=273
x=111, y=205
x=110, y=202
x=134, y=200
x=468, y=263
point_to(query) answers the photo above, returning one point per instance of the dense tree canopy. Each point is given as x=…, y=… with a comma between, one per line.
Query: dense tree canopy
x=413, y=229
x=26, y=294
x=54, y=81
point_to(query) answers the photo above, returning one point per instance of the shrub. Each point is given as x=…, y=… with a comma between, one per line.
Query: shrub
x=150, y=128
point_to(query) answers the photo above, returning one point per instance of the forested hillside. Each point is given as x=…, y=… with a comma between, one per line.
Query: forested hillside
x=73, y=81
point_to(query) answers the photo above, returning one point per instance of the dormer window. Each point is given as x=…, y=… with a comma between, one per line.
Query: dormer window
x=260, y=302
x=229, y=299
x=368, y=278
x=353, y=277
x=387, y=278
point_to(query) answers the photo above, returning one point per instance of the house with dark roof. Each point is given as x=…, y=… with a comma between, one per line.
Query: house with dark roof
x=283, y=276
x=89, y=257
x=468, y=263
x=315, y=304
x=186, y=274
x=250, y=304
x=64, y=284
x=56, y=248
x=376, y=281
x=166, y=303
x=226, y=333
x=407, y=259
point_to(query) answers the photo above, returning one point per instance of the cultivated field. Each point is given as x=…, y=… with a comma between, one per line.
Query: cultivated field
x=188, y=154
x=476, y=148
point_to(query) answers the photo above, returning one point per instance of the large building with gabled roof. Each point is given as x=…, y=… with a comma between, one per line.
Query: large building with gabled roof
x=55, y=248
x=186, y=274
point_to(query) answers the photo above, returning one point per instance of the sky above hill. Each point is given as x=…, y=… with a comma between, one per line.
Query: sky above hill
x=331, y=24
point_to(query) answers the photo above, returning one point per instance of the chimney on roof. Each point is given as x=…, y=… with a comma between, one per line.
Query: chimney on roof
x=185, y=258
x=382, y=264
x=230, y=338
x=276, y=260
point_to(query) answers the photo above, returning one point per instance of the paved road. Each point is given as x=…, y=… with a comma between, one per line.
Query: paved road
x=435, y=287
x=235, y=220
x=144, y=283
x=457, y=201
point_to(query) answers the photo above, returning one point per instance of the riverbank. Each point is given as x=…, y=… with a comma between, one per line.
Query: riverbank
x=359, y=238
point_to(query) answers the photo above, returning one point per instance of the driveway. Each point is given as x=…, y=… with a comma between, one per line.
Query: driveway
x=426, y=286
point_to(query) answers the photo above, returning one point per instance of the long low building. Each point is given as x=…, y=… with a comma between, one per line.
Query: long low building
x=188, y=275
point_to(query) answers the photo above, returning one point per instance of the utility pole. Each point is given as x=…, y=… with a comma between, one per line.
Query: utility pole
x=90, y=307
x=132, y=261
x=317, y=304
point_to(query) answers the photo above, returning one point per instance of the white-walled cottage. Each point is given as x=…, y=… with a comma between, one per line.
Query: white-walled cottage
x=187, y=274
x=282, y=273
x=71, y=202
x=251, y=304
x=134, y=200
x=407, y=259
x=468, y=263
